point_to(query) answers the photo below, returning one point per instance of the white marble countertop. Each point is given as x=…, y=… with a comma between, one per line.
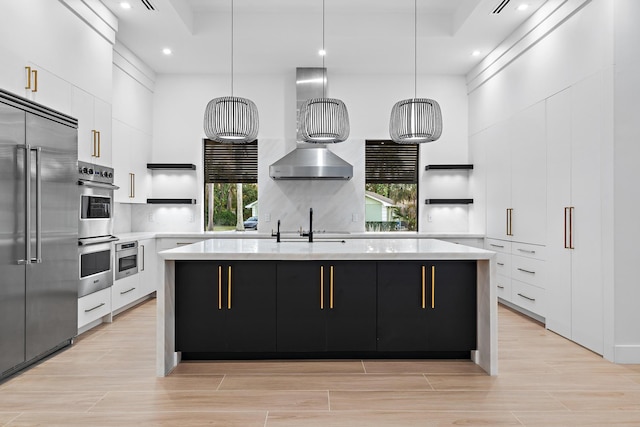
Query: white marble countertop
x=353, y=249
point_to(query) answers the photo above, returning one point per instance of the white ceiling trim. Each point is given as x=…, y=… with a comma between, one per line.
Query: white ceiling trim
x=99, y=18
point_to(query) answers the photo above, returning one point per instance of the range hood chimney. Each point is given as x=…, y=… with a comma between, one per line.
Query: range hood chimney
x=310, y=161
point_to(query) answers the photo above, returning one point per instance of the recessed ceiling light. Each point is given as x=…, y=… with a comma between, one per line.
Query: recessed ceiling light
x=125, y=5
x=523, y=7
x=166, y=51
x=322, y=52
x=475, y=53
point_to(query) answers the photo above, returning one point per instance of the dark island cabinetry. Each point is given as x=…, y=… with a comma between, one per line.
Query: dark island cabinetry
x=300, y=308
x=426, y=306
x=326, y=306
x=225, y=306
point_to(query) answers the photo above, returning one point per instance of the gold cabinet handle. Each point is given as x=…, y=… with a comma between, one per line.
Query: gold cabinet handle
x=99, y=143
x=424, y=297
x=35, y=81
x=219, y=287
x=331, y=287
x=321, y=287
x=571, y=228
x=94, y=149
x=229, y=290
x=28, y=70
x=433, y=286
x=132, y=185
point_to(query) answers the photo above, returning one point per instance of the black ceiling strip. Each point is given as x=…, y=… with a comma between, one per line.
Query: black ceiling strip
x=501, y=6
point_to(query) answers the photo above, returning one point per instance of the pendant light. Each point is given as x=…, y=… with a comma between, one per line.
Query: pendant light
x=415, y=120
x=323, y=120
x=231, y=119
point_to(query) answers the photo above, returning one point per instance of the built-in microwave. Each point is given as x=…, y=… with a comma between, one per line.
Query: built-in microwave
x=126, y=259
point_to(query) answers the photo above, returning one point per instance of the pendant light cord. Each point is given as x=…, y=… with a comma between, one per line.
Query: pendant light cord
x=324, y=70
x=415, y=49
x=231, y=47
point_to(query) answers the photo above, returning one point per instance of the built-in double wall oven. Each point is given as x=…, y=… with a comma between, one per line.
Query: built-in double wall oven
x=95, y=230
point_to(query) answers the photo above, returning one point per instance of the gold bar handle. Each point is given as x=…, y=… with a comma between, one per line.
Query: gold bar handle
x=219, y=287
x=99, y=143
x=566, y=210
x=94, y=149
x=331, y=287
x=229, y=290
x=35, y=80
x=28, y=70
x=424, y=297
x=433, y=286
x=571, y=227
x=322, y=287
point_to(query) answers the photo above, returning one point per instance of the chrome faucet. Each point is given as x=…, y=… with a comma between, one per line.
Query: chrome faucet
x=310, y=233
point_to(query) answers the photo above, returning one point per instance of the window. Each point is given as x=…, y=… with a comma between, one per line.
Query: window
x=391, y=184
x=230, y=170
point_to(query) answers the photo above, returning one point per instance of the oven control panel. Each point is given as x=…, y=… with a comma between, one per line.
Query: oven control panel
x=93, y=172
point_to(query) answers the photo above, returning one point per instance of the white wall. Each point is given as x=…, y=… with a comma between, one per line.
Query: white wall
x=179, y=105
x=626, y=177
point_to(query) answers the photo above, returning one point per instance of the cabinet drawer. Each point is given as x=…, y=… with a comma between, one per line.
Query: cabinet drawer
x=174, y=242
x=503, y=264
x=503, y=287
x=93, y=306
x=125, y=291
x=530, y=251
x=528, y=270
x=498, y=245
x=528, y=297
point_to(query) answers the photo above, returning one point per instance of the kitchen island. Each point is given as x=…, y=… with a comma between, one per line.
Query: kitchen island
x=252, y=298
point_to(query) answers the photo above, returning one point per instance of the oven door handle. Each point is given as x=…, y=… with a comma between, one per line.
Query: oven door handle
x=97, y=184
x=96, y=240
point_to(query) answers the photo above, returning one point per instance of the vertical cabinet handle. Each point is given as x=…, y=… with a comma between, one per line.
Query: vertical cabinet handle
x=509, y=221
x=94, y=148
x=132, y=185
x=219, y=287
x=229, y=290
x=142, y=248
x=433, y=286
x=424, y=298
x=331, y=287
x=32, y=79
x=321, y=287
x=99, y=143
x=571, y=228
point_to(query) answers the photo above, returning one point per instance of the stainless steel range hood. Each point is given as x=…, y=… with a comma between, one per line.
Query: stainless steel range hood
x=310, y=161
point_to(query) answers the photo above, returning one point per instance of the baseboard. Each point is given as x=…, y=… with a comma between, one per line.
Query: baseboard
x=627, y=354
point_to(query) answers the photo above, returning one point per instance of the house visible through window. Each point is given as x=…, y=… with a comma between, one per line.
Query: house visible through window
x=391, y=186
x=230, y=170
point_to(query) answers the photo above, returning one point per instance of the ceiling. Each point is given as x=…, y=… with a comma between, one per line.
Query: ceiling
x=361, y=36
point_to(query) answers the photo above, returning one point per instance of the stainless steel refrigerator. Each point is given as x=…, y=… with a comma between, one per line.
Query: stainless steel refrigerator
x=38, y=232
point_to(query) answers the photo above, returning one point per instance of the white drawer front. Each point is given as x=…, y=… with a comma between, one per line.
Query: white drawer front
x=174, y=242
x=93, y=306
x=498, y=245
x=503, y=287
x=530, y=251
x=125, y=291
x=503, y=264
x=528, y=297
x=528, y=270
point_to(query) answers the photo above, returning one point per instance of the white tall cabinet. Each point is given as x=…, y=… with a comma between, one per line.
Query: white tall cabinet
x=574, y=137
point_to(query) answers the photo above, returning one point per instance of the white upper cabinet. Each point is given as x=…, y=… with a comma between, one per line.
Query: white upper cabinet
x=132, y=152
x=94, y=128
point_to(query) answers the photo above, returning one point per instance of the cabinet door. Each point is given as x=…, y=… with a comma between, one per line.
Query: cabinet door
x=199, y=314
x=147, y=269
x=301, y=319
x=249, y=296
x=498, y=180
x=528, y=175
x=351, y=315
x=558, y=285
x=52, y=91
x=102, y=124
x=402, y=304
x=82, y=109
x=123, y=140
x=451, y=313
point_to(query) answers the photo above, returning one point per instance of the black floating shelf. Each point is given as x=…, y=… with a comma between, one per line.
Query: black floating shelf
x=172, y=201
x=448, y=201
x=447, y=167
x=172, y=166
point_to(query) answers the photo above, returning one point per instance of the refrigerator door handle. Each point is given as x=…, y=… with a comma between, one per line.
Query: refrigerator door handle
x=27, y=204
x=38, y=258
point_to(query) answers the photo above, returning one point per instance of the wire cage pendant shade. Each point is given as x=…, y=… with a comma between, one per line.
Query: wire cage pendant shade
x=323, y=121
x=231, y=119
x=416, y=120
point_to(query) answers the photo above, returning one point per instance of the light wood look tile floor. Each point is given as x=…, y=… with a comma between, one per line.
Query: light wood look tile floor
x=108, y=379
